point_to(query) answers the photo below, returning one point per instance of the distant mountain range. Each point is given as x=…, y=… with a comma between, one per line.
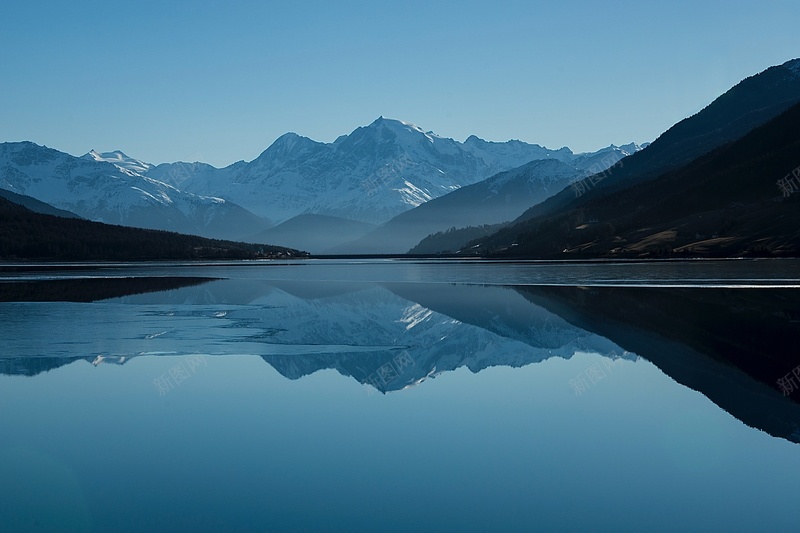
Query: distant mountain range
x=360, y=180
x=371, y=175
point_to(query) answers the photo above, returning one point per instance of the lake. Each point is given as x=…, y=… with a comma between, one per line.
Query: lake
x=389, y=395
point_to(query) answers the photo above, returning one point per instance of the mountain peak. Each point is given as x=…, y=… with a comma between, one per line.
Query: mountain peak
x=631, y=148
x=287, y=146
x=291, y=141
x=391, y=134
x=117, y=155
x=395, y=124
x=287, y=139
x=120, y=159
x=625, y=149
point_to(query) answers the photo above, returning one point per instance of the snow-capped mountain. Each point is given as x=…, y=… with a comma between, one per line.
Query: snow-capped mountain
x=107, y=188
x=371, y=175
x=121, y=160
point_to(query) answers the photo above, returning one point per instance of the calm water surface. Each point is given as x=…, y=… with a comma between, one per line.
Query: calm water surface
x=400, y=396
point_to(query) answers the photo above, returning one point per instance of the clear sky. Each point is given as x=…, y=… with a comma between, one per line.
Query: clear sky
x=220, y=81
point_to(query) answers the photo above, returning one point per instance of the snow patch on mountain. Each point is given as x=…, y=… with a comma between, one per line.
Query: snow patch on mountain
x=414, y=196
x=414, y=315
x=122, y=161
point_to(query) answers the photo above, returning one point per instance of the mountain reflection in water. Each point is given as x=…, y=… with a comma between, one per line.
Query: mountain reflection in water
x=732, y=345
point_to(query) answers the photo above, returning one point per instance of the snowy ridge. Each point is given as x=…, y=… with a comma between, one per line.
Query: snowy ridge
x=98, y=189
x=121, y=160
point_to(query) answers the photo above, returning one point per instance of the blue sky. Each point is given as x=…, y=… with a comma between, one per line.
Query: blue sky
x=218, y=82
